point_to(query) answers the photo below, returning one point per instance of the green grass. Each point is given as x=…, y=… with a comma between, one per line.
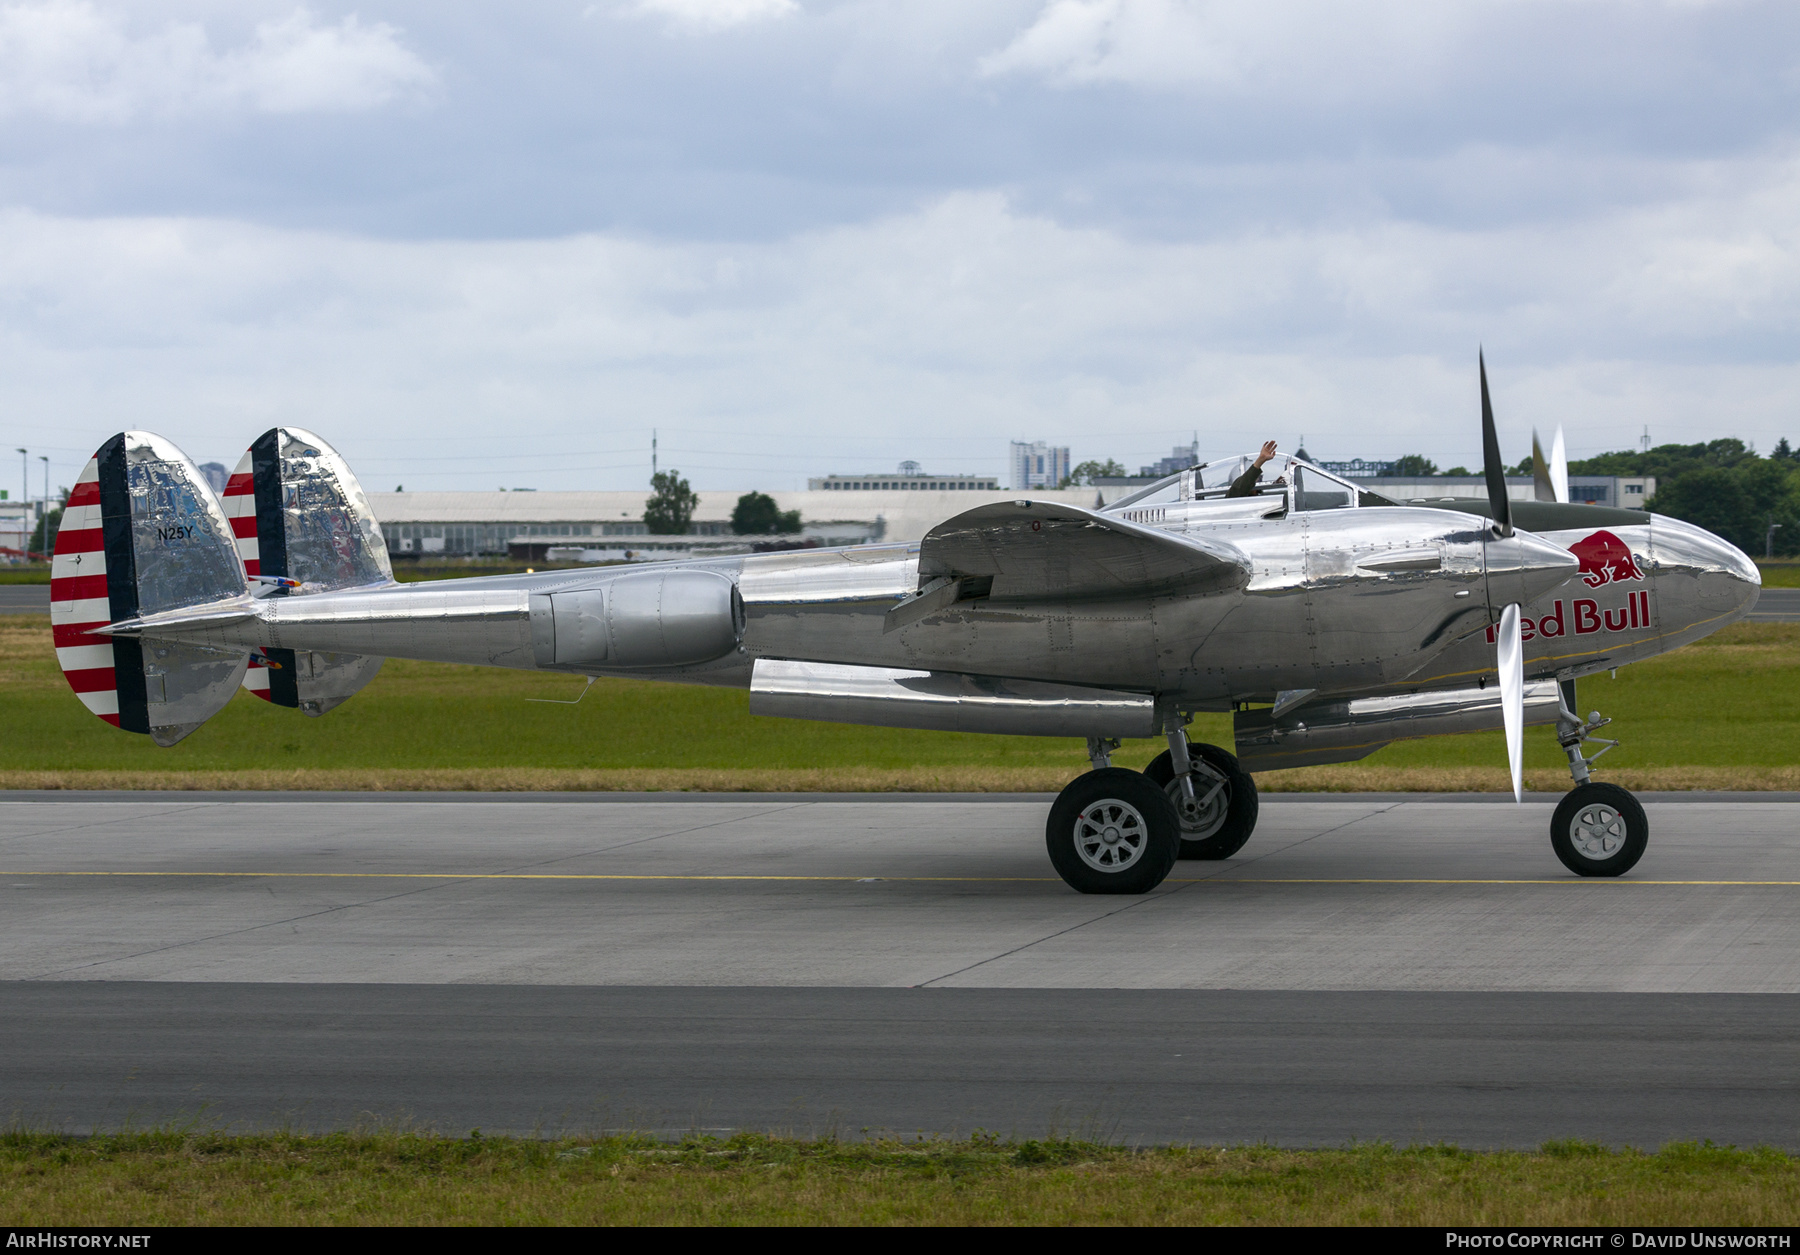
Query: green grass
x=1726, y=706
x=1780, y=572
x=173, y=1178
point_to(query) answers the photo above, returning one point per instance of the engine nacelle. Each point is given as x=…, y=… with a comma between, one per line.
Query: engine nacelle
x=1328, y=731
x=645, y=619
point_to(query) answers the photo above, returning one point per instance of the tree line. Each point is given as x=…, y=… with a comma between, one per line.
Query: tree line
x=670, y=510
x=1723, y=485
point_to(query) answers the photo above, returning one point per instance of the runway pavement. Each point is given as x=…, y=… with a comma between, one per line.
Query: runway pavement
x=1777, y=605
x=24, y=599
x=1370, y=966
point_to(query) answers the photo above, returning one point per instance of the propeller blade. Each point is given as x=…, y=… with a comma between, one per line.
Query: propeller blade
x=1541, y=486
x=1511, y=662
x=1491, y=464
x=1559, y=466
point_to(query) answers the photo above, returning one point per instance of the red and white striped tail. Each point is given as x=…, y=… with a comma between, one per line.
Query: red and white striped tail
x=240, y=507
x=332, y=541
x=143, y=533
x=79, y=601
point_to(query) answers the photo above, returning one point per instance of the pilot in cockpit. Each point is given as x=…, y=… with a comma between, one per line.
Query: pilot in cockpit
x=1245, y=485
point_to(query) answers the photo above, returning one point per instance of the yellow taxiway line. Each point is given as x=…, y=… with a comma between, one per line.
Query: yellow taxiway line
x=1173, y=880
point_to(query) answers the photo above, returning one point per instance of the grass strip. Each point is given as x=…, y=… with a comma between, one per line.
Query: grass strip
x=948, y=779
x=1720, y=714
x=175, y=1177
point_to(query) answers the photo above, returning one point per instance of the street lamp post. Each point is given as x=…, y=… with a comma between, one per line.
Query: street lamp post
x=1769, y=540
x=44, y=547
x=24, y=502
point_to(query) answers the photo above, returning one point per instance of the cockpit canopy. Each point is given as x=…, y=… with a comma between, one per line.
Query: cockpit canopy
x=1286, y=483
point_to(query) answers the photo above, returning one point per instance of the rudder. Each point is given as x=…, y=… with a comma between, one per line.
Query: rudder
x=142, y=533
x=303, y=525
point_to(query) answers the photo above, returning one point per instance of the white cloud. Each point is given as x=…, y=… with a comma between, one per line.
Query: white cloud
x=939, y=333
x=708, y=16
x=73, y=61
x=1310, y=44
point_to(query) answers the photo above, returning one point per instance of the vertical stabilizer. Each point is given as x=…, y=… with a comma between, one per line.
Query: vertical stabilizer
x=143, y=533
x=303, y=525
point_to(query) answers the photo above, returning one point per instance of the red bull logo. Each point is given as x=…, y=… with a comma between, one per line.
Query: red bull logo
x=1605, y=559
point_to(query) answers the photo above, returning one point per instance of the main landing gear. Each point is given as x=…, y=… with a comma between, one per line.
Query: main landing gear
x=1598, y=829
x=1119, y=831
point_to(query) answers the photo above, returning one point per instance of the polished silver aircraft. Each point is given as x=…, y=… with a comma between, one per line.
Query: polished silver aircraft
x=1330, y=620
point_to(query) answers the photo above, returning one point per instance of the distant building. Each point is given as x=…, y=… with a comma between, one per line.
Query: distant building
x=1180, y=458
x=909, y=478
x=1357, y=468
x=18, y=520
x=215, y=474
x=1038, y=465
x=1629, y=492
x=1613, y=490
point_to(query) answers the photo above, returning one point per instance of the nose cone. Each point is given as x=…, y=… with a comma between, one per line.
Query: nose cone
x=1523, y=567
x=1702, y=580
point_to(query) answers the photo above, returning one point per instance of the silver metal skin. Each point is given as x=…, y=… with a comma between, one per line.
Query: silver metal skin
x=328, y=680
x=1343, y=731
x=180, y=538
x=895, y=698
x=182, y=550
x=1045, y=619
x=313, y=532
x=331, y=536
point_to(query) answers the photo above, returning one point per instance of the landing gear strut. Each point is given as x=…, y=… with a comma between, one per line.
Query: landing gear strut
x=1598, y=829
x=1215, y=798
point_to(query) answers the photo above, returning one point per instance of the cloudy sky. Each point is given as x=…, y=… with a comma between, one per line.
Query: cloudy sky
x=485, y=245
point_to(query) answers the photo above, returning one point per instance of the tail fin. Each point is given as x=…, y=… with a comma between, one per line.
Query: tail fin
x=142, y=533
x=303, y=525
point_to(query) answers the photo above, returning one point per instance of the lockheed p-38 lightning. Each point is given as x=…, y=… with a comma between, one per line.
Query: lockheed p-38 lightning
x=1328, y=620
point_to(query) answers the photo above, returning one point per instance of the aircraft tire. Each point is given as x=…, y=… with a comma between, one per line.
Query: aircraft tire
x=1222, y=830
x=1599, y=830
x=1112, y=831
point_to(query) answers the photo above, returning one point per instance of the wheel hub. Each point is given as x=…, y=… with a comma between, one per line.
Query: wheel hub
x=1111, y=835
x=1205, y=814
x=1598, y=831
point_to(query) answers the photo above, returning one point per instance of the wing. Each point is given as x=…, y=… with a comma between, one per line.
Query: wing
x=1034, y=550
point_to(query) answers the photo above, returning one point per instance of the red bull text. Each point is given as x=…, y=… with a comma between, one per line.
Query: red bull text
x=1585, y=616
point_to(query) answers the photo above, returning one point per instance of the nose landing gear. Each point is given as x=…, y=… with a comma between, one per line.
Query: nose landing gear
x=1598, y=829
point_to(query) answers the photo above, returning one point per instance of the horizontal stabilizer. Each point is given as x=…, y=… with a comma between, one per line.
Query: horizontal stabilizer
x=1036, y=550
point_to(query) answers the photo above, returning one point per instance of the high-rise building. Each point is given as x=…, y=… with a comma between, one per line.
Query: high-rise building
x=1038, y=465
x=215, y=474
x=1179, y=459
